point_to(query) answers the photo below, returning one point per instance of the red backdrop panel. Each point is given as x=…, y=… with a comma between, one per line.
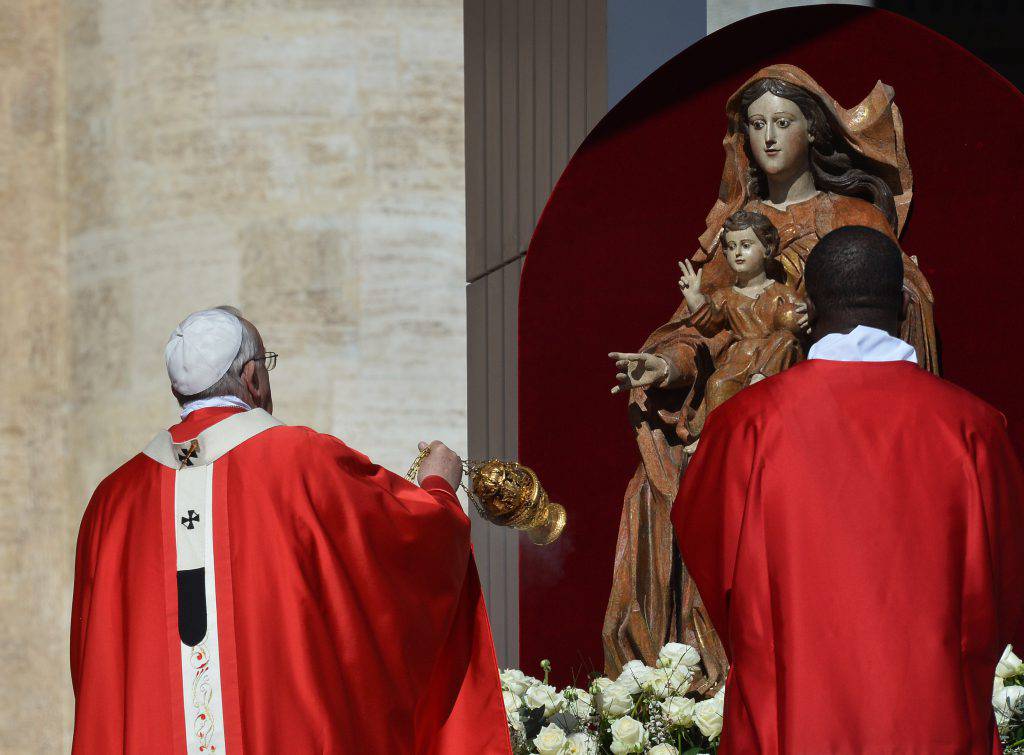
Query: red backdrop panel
x=601, y=269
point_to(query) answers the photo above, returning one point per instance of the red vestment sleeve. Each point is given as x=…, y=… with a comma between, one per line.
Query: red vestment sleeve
x=1001, y=488
x=463, y=683
x=423, y=598
x=709, y=510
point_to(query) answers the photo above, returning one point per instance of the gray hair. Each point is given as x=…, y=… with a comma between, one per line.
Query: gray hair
x=230, y=383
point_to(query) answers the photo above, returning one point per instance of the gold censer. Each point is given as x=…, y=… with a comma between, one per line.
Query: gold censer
x=509, y=494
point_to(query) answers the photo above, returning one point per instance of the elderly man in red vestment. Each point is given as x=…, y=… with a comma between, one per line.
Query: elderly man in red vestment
x=854, y=526
x=245, y=586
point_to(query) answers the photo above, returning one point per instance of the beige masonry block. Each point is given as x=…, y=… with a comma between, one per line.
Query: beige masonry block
x=301, y=274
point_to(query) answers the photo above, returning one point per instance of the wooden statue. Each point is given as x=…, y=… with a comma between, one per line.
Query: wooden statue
x=795, y=156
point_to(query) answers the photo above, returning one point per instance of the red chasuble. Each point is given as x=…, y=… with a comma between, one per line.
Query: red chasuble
x=855, y=530
x=244, y=586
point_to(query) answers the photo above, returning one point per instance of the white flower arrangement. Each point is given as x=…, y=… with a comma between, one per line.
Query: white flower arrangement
x=658, y=711
x=645, y=710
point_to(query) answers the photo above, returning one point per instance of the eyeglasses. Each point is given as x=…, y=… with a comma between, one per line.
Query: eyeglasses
x=269, y=359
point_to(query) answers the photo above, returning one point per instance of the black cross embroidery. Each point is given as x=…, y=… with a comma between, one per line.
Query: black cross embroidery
x=185, y=456
x=190, y=521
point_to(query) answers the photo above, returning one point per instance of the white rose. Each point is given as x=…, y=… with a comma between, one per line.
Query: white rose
x=997, y=684
x=628, y=735
x=720, y=695
x=665, y=682
x=1008, y=703
x=659, y=687
x=1008, y=700
x=515, y=681
x=634, y=675
x=512, y=701
x=707, y=714
x=599, y=684
x=663, y=749
x=578, y=702
x=579, y=744
x=550, y=740
x=614, y=700
x=543, y=696
x=1009, y=665
x=636, y=669
x=679, y=711
x=677, y=654
x=682, y=676
x=515, y=722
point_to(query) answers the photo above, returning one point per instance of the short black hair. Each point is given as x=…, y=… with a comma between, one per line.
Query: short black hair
x=853, y=269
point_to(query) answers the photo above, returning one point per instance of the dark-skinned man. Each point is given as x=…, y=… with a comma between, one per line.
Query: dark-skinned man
x=854, y=526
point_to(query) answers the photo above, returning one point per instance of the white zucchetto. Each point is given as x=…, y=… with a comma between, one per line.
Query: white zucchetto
x=201, y=349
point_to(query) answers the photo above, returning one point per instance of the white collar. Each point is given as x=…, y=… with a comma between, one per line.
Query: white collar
x=863, y=344
x=206, y=403
x=211, y=443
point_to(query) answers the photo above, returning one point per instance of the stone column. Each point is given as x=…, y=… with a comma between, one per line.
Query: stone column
x=37, y=528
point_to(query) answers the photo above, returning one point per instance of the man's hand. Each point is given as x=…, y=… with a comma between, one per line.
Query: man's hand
x=442, y=462
x=638, y=370
x=804, y=323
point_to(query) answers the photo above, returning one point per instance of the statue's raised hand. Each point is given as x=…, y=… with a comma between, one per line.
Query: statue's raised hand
x=638, y=370
x=689, y=284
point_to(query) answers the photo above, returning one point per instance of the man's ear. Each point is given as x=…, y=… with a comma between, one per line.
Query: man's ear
x=812, y=313
x=250, y=379
x=904, y=306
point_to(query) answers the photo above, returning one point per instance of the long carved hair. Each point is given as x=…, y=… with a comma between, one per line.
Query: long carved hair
x=831, y=163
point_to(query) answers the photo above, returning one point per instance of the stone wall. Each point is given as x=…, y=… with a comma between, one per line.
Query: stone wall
x=38, y=521
x=301, y=159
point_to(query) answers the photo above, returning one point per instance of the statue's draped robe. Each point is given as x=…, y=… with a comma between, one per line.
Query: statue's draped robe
x=337, y=607
x=854, y=529
x=763, y=328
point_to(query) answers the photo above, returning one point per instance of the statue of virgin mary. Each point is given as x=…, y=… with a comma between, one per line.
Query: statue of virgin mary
x=793, y=154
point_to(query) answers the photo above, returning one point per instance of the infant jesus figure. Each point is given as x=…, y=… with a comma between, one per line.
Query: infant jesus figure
x=763, y=315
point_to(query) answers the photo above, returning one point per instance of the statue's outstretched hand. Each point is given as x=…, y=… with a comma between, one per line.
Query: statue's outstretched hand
x=638, y=370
